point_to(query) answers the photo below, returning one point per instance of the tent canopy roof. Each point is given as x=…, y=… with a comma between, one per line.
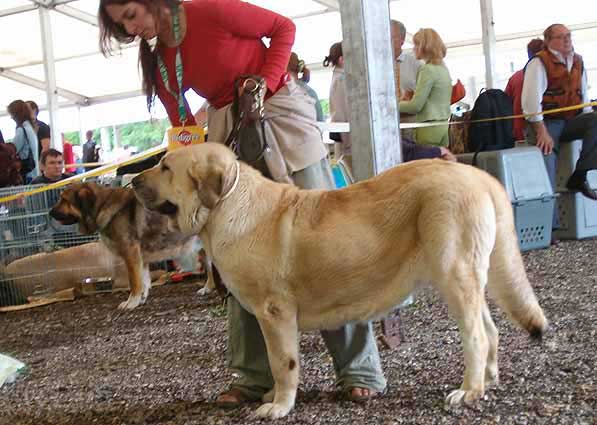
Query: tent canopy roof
x=84, y=76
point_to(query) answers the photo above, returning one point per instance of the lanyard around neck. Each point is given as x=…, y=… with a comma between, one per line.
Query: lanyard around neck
x=182, y=111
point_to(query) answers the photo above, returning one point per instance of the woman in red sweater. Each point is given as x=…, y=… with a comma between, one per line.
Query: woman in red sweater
x=215, y=42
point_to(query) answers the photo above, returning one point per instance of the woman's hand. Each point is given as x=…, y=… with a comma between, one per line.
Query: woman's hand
x=447, y=155
x=251, y=95
x=407, y=95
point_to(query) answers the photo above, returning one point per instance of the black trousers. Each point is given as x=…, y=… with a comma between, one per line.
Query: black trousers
x=583, y=126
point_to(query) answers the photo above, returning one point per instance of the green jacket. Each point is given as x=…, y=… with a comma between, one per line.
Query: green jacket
x=431, y=101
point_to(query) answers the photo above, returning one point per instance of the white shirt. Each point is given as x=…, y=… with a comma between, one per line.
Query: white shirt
x=535, y=84
x=409, y=68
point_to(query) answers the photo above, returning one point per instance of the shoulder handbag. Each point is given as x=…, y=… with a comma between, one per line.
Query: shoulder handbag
x=27, y=164
x=458, y=92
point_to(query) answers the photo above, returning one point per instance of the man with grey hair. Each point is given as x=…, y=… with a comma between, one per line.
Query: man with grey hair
x=407, y=62
x=406, y=68
x=553, y=79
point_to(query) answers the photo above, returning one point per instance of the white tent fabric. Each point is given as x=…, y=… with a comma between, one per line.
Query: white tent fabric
x=83, y=73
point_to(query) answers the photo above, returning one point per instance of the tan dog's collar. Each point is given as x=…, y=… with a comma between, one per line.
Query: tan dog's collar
x=236, y=179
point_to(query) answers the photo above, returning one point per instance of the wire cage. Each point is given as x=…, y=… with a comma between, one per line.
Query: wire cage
x=40, y=256
x=27, y=230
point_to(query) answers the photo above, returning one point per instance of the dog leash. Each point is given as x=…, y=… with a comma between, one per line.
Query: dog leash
x=247, y=108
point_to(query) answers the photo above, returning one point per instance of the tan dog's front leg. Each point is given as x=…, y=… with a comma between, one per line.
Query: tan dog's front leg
x=278, y=323
x=134, y=266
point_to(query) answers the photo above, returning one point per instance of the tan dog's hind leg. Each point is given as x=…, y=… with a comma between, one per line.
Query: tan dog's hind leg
x=134, y=266
x=491, y=369
x=279, y=325
x=465, y=301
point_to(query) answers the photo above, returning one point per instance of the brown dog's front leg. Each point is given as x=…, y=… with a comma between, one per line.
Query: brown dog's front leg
x=278, y=321
x=134, y=266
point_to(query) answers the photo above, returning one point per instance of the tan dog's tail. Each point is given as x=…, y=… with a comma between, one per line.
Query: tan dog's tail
x=507, y=281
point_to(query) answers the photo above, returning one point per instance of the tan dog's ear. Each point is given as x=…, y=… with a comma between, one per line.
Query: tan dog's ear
x=208, y=183
x=212, y=181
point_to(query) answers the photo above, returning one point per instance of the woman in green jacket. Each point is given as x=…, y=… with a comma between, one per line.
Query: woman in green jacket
x=431, y=100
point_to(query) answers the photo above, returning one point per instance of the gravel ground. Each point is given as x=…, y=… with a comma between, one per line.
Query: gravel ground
x=164, y=362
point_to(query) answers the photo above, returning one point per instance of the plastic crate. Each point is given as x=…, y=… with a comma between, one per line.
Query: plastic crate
x=522, y=172
x=578, y=214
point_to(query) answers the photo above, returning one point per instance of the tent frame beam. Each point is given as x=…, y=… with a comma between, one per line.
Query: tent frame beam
x=330, y=5
x=41, y=85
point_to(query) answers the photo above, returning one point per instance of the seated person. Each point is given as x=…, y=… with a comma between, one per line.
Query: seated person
x=52, y=171
x=52, y=168
x=556, y=78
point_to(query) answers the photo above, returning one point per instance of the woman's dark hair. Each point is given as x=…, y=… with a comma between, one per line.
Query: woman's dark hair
x=335, y=54
x=19, y=111
x=33, y=106
x=147, y=56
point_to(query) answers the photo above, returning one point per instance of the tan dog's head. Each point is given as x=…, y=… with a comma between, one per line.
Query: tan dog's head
x=77, y=205
x=187, y=184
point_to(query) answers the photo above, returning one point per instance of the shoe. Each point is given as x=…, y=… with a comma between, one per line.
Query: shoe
x=234, y=397
x=581, y=186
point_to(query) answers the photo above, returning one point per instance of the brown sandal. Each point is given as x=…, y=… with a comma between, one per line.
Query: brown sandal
x=356, y=394
x=234, y=397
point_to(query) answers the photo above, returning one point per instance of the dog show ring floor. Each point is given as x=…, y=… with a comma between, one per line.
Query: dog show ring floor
x=165, y=362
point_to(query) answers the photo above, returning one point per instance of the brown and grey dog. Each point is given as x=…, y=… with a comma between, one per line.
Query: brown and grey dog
x=135, y=234
x=314, y=259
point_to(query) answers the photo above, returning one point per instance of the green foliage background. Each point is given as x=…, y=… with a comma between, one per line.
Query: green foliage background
x=139, y=136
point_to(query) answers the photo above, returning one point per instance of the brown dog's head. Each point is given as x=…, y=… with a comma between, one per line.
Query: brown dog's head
x=187, y=184
x=77, y=205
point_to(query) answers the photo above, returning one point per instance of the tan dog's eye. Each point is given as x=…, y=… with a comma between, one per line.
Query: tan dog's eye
x=165, y=167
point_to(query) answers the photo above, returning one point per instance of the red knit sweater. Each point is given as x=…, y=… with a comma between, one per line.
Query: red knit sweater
x=222, y=42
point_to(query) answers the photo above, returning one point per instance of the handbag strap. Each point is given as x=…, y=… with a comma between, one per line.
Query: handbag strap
x=28, y=143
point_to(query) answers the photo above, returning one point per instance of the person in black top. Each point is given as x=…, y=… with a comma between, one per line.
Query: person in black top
x=43, y=129
x=90, y=150
x=1, y=137
x=52, y=168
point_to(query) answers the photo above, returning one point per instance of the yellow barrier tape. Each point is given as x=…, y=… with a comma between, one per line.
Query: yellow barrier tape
x=509, y=117
x=86, y=164
x=111, y=167
x=93, y=173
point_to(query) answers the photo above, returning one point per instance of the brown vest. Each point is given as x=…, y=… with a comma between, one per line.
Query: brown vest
x=563, y=87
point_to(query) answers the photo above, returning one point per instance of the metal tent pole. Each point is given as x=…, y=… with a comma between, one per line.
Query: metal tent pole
x=489, y=41
x=50, y=76
x=370, y=85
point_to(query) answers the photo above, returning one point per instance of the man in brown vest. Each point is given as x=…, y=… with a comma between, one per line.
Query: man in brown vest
x=556, y=78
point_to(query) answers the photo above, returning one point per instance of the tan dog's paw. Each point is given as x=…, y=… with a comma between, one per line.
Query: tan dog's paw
x=459, y=397
x=491, y=378
x=206, y=290
x=131, y=303
x=272, y=411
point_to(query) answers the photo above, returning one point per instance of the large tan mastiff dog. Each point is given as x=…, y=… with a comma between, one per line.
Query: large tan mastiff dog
x=315, y=259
